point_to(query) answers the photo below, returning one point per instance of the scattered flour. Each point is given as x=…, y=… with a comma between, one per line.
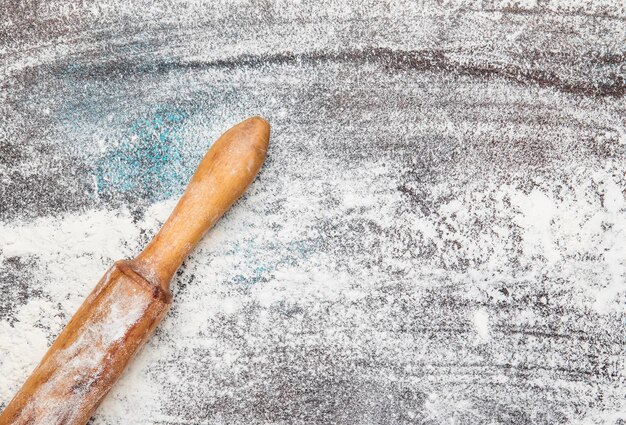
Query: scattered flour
x=401, y=217
x=481, y=323
x=547, y=229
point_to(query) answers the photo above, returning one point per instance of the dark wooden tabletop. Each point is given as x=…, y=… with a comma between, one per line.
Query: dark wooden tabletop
x=438, y=235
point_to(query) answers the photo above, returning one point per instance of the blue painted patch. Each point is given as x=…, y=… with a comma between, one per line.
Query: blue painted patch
x=265, y=268
x=149, y=163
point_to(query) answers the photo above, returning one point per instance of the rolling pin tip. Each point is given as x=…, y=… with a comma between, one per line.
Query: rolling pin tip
x=259, y=130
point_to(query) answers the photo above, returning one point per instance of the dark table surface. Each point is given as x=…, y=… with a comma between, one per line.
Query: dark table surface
x=438, y=234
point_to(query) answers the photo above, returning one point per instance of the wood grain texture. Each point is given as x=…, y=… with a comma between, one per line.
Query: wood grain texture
x=436, y=237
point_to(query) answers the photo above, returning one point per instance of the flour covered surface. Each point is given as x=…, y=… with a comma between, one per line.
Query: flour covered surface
x=438, y=234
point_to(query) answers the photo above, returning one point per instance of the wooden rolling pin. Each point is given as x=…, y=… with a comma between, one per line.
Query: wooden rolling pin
x=130, y=300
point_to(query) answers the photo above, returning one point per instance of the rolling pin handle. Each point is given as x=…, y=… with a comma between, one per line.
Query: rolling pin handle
x=223, y=175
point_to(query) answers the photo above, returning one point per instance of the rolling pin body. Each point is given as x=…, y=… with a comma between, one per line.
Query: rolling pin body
x=120, y=314
x=91, y=352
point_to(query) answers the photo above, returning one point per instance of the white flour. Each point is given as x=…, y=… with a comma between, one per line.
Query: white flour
x=438, y=235
x=555, y=228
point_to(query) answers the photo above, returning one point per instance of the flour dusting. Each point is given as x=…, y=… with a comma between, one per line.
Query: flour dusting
x=232, y=298
x=81, y=364
x=438, y=234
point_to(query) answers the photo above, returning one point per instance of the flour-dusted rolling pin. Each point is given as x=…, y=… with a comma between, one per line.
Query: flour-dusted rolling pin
x=121, y=313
